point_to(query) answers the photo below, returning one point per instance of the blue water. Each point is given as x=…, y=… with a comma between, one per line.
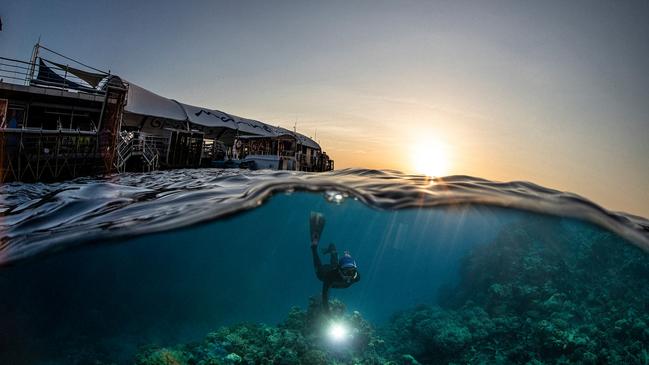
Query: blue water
x=97, y=271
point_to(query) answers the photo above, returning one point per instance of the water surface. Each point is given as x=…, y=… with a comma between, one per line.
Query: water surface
x=167, y=267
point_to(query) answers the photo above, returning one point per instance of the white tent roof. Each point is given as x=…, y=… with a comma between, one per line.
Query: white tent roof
x=144, y=102
x=207, y=117
x=302, y=139
x=253, y=126
x=216, y=118
x=307, y=141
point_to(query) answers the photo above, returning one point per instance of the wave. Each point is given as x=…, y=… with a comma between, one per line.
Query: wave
x=39, y=218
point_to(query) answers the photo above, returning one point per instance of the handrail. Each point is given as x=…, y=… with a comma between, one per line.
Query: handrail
x=40, y=46
x=15, y=60
x=18, y=71
x=142, y=144
x=47, y=131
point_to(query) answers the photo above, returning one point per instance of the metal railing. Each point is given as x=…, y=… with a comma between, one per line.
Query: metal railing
x=14, y=71
x=150, y=156
x=27, y=73
x=37, y=155
x=148, y=147
x=158, y=145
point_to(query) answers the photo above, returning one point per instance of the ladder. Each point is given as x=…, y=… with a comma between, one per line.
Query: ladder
x=132, y=144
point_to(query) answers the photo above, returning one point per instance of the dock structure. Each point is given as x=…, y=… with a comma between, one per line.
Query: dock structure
x=63, y=119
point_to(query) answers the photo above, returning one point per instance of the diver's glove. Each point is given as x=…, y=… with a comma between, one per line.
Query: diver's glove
x=317, y=221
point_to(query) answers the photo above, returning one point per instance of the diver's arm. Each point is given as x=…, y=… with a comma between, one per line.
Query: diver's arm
x=325, y=296
x=358, y=277
x=333, y=255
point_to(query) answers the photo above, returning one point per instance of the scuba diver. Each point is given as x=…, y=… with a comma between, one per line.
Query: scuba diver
x=339, y=273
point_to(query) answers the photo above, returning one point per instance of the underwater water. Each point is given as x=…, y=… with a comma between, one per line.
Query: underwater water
x=214, y=267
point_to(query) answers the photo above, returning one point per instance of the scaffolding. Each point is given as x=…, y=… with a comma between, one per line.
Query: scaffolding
x=45, y=155
x=58, y=122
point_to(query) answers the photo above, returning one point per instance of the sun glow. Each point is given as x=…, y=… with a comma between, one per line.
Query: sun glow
x=430, y=157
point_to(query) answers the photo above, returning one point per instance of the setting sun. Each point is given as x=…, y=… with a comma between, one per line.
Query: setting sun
x=430, y=157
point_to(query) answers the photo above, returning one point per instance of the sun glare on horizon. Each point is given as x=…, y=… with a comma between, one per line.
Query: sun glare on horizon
x=430, y=157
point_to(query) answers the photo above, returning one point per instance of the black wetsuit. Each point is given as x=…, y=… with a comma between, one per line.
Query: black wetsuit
x=330, y=275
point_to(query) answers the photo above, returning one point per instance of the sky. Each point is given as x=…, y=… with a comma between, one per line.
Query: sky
x=552, y=92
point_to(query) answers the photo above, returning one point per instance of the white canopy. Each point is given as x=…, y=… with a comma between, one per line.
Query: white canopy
x=207, y=117
x=302, y=139
x=144, y=102
x=307, y=141
x=253, y=126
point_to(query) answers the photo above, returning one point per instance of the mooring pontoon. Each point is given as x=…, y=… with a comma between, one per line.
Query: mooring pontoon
x=60, y=118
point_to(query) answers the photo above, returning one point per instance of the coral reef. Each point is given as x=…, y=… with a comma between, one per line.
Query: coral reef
x=162, y=356
x=544, y=291
x=577, y=295
x=300, y=339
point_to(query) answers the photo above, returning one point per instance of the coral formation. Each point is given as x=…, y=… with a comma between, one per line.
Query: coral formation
x=578, y=296
x=162, y=356
x=300, y=339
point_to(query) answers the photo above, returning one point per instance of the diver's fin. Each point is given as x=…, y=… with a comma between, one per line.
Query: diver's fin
x=317, y=221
